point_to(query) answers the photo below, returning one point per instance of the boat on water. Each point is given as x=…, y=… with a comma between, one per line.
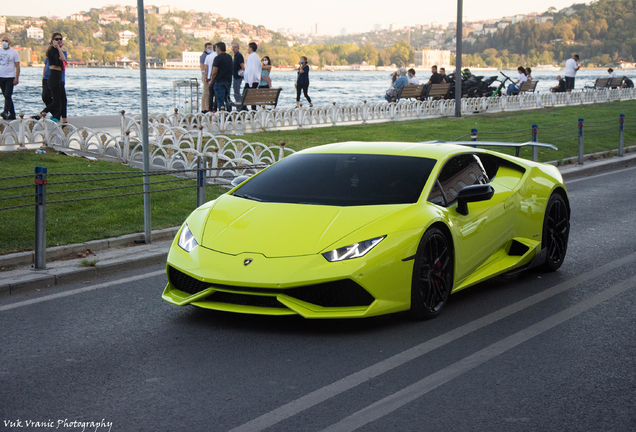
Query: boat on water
x=547, y=68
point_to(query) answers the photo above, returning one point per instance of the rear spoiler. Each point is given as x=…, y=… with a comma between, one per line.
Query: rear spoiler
x=516, y=146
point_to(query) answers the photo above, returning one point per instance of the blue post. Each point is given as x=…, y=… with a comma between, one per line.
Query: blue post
x=621, y=135
x=474, y=135
x=580, y=141
x=535, y=138
x=40, y=218
x=200, y=183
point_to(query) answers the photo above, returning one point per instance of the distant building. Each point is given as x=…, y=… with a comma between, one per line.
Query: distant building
x=428, y=58
x=189, y=60
x=125, y=36
x=343, y=31
x=35, y=33
x=26, y=55
x=164, y=10
x=316, y=29
x=3, y=24
x=542, y=19
x=377, y=27
x=393, y=26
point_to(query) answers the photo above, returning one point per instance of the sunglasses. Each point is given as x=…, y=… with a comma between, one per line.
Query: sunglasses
x=58, y=39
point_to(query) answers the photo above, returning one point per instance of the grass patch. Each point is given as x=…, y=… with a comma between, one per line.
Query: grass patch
x=80, y=221
x=451, y=128
x=88, y=263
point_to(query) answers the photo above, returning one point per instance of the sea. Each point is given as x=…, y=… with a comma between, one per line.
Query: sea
x=107, y=91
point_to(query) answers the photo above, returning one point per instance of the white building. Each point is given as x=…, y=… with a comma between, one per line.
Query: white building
x=79, y=17
x=35, y=33
x=316, y=29
x=125, y=36
x=3, y=24
x=201, y=33
x=189, y=60
x=428, y=58
x=393, y=26
x=164, y=10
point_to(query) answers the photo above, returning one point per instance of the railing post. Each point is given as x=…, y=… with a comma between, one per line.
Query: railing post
x=40, y=218
x=123, y=122
x=535, y=138
x=474, y=135
x=200, y=182
x=580, y=141
x=621, y=135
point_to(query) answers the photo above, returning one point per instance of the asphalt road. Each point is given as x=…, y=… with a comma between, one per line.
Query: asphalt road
x=530, y=352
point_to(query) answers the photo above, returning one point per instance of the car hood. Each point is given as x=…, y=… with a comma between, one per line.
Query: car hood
x=237, y=225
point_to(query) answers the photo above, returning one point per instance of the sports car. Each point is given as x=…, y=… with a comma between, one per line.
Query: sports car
x=361, y=229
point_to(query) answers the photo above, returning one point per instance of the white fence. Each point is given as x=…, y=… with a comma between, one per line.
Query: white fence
x=177, y=140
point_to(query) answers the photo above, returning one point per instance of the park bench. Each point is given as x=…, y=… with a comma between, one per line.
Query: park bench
x=438, y=91
x=257, y=97
x=412, y=91
x=528, y=86
x=599, y=84
x=615, y=82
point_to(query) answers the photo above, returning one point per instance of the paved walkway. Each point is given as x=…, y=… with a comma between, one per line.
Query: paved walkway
x=65, y=263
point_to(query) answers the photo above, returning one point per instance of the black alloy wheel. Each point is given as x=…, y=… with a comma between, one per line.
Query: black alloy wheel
x=432, y=275
x=556, y=230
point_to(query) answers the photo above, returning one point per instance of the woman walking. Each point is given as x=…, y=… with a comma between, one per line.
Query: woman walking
x=266, y=81
x=56, y=59
x=302, y=82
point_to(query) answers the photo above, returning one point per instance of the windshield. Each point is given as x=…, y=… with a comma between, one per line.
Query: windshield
x=340, y=180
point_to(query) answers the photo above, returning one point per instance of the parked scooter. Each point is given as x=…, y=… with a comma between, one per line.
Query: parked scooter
x=472, y=85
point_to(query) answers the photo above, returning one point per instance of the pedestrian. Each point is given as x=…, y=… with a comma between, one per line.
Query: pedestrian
x=571, y=67
x=627, y=83
x=302, y=81
x=222, y=76
x=560, y=87
x=212, y=102
x=514, y=88
x=412, y=78
x=611, y=73
x=442, y=72
x=253, y=67
x=394, y=91
x=47, y=97
x=205, y=97
x=57, y=63
x=9, y=76
x=237, y=69
x=529, y=74
x=266, y=81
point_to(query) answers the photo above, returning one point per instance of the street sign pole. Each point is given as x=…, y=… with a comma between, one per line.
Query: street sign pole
x=458, y=62
x=144, y=117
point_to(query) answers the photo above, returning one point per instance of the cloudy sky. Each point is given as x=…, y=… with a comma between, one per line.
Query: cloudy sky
x=300, y=15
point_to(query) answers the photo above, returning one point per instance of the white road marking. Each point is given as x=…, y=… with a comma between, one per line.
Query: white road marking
x=80, y=290
x=397, y=400
x=332, y=390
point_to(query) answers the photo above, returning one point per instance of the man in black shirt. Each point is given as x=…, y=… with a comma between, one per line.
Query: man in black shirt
x=222, y=76
x=237, y=79
x=435, y=78
x=559, y=88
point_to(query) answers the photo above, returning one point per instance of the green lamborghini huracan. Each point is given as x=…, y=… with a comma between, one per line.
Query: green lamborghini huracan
x=361, y=229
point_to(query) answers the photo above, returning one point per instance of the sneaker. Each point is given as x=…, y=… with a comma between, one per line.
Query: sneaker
x=56, y=120
x=4, y=116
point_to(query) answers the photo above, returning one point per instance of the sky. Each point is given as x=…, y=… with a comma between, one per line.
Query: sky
x=354, y=15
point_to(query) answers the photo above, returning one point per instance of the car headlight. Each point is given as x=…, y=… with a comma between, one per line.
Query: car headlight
x=186, y=240
x=353, y=251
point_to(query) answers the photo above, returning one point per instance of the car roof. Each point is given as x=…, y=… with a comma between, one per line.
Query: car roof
x=429, y=150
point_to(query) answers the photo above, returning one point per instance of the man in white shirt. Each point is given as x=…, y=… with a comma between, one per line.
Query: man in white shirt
x=253, y=68
x=571, y=66
x=205, y=101
x=208, y=81
x=9, y=76
x=611, y=73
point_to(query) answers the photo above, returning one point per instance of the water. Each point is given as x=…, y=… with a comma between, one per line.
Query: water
x=97, y=91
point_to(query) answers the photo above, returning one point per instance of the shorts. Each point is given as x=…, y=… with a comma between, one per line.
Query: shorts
x=569, y=83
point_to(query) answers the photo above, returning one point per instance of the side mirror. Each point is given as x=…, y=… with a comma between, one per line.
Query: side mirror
x=238, y=180
x=473, y=193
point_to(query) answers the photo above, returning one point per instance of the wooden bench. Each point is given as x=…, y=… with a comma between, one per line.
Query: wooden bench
x=257, y=96
x=528, y=86
x=412, y=91
x=615, y=82
x=438, y=91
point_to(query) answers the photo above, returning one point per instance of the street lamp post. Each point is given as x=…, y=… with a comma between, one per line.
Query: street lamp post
x=144, y=117
x=458, y=62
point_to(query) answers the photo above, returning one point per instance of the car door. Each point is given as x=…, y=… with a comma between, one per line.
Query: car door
x=488, y=224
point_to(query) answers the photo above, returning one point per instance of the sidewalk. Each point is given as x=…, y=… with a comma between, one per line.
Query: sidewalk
x=123, y=253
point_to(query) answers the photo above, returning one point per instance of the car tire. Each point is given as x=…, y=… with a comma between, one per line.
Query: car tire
x=556, y=230
x=432, y=279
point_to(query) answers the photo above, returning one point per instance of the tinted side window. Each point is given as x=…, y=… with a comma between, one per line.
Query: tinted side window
x=459, y=172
